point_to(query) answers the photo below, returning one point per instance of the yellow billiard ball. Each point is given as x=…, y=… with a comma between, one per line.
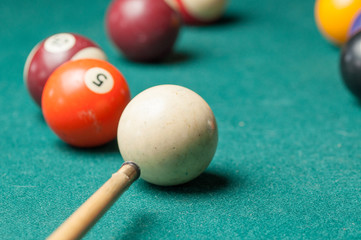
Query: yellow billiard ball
x=334, y=18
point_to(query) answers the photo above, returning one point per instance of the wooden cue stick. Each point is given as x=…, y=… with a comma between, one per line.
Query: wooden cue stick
x=77, y=225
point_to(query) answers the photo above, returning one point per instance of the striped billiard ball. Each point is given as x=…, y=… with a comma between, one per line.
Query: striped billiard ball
x=49, y=54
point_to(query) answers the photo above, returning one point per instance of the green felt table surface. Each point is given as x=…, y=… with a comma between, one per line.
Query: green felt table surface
x=288, y=162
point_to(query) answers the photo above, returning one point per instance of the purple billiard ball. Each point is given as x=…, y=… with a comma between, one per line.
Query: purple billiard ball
x=49, y=54
x=356, y=25
x=143, y=30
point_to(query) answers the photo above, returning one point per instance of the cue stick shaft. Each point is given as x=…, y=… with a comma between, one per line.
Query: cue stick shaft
x=77, y=225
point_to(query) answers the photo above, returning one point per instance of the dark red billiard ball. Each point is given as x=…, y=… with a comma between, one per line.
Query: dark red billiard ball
x=83, y=100
x=49, y=54
x=143, y=30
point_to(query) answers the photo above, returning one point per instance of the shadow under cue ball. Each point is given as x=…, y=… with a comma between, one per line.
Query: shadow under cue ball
x=143, y=30
x=170, y=132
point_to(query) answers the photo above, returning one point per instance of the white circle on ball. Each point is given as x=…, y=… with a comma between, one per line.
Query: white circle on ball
x=99, y=80
x=60, y=42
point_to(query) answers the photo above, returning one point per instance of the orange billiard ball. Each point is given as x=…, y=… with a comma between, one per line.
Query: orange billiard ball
x=334, y=18
x=83, y=101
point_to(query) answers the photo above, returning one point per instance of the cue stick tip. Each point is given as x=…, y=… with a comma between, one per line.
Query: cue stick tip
x=134, y=173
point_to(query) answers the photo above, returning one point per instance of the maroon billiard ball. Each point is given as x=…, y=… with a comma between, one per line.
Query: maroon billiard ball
x=49, y=54
x=143, y=30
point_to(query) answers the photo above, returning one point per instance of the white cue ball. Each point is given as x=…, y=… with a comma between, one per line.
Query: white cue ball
x=170, y=132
